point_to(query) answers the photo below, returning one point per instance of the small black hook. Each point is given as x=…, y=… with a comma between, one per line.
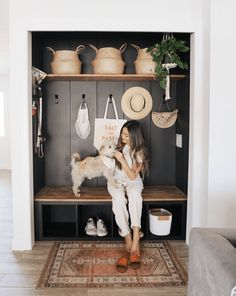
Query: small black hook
x=83, y=105
x=110, y=97
x=57, y=100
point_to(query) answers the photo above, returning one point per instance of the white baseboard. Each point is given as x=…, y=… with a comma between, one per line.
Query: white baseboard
x=21, y=245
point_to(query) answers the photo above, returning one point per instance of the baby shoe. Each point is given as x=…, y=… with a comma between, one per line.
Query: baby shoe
x=101, y=228
x=90, y=228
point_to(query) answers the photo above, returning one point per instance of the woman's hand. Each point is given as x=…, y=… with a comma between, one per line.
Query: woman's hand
x=133, y=172
x=119, y=156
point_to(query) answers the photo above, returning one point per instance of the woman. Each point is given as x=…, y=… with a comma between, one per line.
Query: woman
x=132, y=160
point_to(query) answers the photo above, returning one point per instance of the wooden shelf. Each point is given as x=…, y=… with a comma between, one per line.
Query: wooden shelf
x=100, y=194
x=92, y=77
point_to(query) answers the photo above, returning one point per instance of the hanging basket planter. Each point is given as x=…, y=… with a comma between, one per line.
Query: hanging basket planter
x=166, y=56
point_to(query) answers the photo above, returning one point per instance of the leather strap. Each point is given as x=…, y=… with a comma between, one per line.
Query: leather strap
x=122, y=261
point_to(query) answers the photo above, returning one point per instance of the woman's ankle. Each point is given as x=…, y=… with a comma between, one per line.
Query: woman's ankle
x=136, y=233
x=135, y=245
x=135, y=249
x=128, y=242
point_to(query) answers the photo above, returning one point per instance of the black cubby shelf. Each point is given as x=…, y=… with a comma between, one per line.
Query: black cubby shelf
x=61, y=215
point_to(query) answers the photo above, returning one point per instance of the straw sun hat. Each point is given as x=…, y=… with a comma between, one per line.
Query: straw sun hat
x=136, y=102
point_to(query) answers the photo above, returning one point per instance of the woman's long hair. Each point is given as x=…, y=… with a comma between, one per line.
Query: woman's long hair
x=137, y=144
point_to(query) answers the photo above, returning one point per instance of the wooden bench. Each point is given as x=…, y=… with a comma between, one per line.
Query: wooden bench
x=61, y=215
x=100, y=194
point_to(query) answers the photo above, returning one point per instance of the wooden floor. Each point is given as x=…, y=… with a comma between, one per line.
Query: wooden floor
x=19, y=271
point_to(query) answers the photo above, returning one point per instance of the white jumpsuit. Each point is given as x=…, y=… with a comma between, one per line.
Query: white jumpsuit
x=133, y=190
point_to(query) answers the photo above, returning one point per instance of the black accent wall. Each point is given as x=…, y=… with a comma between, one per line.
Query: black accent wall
x=168, y=166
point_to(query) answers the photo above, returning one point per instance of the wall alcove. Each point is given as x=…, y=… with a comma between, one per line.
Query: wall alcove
x=57, y=213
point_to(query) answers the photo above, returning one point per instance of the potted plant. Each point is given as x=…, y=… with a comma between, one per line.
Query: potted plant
x=165, y=55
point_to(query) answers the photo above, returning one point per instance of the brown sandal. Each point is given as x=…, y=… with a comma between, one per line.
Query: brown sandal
x=122, y=264
x=134, y=260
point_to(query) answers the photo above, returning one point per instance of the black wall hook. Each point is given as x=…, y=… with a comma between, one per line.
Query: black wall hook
x=57, y=100
x=110, y=97
x=83, y=105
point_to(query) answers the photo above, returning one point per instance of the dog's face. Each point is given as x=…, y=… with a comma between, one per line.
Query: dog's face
x=108, y=149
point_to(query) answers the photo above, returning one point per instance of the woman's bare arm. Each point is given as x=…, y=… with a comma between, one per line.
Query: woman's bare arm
x=133, y=172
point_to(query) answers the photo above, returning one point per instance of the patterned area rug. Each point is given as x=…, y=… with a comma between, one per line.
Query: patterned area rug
x=92, y=265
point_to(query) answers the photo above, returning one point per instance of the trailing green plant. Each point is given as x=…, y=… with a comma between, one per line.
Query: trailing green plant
x=167, y=52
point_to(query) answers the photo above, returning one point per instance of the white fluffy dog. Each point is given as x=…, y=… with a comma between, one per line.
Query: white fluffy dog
x=91, y=167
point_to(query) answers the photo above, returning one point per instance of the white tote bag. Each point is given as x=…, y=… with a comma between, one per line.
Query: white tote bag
x=106, y=129
x=82, y=124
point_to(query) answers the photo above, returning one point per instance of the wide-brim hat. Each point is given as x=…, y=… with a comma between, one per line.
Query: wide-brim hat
x=136, y=102
x=164, y=119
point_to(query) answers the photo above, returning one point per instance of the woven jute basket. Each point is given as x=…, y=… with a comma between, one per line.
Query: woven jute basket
x=144, y=66
x=109, y=52
x=66, y=61
x=144, y=63
x=142, y=52
x=108, y=66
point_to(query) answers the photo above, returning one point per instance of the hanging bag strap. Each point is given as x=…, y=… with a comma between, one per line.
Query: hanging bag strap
x=163, y=101
x=110, y=99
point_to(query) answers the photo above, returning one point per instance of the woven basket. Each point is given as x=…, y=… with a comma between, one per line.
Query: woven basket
x=144, y=66
x=144, y=63
x=66, y=61
x=109, y=52
x=142, y=52
x=108, y=66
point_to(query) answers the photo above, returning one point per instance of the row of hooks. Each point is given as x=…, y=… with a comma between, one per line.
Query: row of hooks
x=57, y=99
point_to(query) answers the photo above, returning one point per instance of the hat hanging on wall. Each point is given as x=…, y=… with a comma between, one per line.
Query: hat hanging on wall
x=164, y=119
x=136, y=102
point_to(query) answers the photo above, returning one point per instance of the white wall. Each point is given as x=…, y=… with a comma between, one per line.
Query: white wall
x=5, y=162
x=4, y=37
x=183, y=16
x=4, y=83
x=199, y=118
x=222, y=140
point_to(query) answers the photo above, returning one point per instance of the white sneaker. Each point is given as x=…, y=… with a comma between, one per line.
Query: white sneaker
x=101, y=228
x=90, y=228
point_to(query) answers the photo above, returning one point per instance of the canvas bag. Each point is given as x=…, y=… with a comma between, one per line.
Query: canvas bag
x=82, y=124
x=106, y=129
